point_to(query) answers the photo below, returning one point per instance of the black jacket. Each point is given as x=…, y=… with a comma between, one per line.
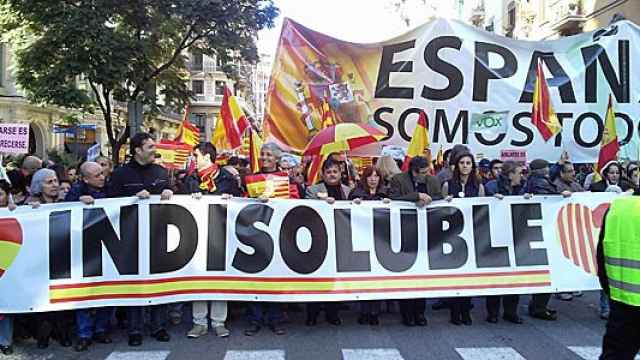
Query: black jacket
x=504, y=187
x=361, y=193
x=132, y=178
x=540, y=185
x=601, y=186
x=602, y=274
x=226, y=183
x=81, y=188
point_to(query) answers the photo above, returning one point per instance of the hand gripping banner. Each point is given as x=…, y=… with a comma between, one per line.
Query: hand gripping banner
x=455, y=73
x=130, y=252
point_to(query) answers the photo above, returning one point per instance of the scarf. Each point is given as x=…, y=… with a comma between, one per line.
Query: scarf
x=207, y=178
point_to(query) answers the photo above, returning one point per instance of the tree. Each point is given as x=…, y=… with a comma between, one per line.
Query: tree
x=124, y=49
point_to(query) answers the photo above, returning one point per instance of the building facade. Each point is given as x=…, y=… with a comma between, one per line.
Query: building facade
x=549, y=19
x=45, y=121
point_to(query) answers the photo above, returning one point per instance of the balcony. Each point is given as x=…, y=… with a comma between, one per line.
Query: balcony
x=568, y=17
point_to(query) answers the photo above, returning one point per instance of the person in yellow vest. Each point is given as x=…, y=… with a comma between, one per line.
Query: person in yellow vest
x=618, y=257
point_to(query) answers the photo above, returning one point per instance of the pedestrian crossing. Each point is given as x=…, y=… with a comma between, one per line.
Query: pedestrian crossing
x=466, y=353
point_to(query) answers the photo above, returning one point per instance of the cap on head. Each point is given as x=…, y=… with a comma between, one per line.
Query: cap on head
x=538, y=164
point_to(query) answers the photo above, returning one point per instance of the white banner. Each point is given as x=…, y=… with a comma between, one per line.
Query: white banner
x=130, y=252
x=451, y=70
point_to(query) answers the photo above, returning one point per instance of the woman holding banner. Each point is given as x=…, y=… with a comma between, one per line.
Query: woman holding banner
x=463, y=184
x=44, y=190
x=509, y=182
x=370, y=187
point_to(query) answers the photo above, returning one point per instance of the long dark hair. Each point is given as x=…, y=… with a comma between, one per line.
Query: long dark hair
x=473, y=176
x=368, y=171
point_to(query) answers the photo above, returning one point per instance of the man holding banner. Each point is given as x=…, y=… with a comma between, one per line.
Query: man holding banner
x=418, y=186
x=142, y=178
x=210, y=180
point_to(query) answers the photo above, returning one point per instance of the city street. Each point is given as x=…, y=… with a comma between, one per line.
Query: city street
x=576, y=335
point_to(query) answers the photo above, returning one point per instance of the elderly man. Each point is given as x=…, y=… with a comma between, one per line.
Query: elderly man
x=567, y=179
x=21, y=178
x=89, y=188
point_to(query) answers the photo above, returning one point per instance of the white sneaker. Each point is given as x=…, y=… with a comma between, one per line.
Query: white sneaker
x=197, y=331
x=221, y=331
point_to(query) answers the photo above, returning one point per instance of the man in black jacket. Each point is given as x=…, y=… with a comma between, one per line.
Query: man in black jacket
x=90, y=328
x=539, y=183
x=417, y=186
x=142, y=178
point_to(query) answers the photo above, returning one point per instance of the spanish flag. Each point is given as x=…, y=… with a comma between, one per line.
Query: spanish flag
x=174, y=155
x=542, y=115
x=231, y=123
x=275, y=185
x=314, y=171
x=255, y=143
x=419, y=142
x=609, y=144
x=440, y=158
x=188, y=133
x=327, y=115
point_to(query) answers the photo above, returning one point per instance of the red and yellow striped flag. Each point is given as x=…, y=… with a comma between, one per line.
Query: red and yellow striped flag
x=419, y=142
x=231, y=124
x=187, y=132
x=440, y=158
x=609, y=146
x=542, y=115
x=314, y=171
x=255, y=144
x=275, y=185
x=174, y=155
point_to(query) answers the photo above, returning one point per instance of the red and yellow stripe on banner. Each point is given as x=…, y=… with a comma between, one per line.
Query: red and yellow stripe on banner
x=133, y=289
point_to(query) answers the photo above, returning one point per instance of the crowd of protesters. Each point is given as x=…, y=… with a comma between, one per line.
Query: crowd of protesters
x=34, y=182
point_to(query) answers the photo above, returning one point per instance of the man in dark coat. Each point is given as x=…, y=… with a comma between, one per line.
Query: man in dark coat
x=415, y=185
x=142, y=178
x=539, y=183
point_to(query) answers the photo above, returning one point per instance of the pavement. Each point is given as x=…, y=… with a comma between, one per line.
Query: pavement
x=577, y=334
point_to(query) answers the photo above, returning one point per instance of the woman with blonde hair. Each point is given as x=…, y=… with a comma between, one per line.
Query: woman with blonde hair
x=387, y=167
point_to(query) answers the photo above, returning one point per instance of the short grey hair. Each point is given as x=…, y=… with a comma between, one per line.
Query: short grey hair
x=275, y=149
x=38, y=180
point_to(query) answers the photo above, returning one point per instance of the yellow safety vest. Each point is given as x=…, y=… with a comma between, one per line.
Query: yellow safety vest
x=622, y=250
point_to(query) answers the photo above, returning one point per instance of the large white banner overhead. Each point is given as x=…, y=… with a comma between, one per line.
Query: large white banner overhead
x=130, y=252
x=456, y=73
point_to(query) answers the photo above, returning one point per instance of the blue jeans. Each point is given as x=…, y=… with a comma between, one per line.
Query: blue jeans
x=265, y=313
x=87, y=325
x=6, y=330
x=135, y=315
x=604, y=302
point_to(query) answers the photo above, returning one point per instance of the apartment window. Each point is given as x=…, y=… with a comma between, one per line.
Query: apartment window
x=199, y=119
x=220, y=87
x=197, y=86
x=197, y=61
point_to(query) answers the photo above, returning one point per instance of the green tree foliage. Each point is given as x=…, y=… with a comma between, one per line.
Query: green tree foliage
x=124, y=48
